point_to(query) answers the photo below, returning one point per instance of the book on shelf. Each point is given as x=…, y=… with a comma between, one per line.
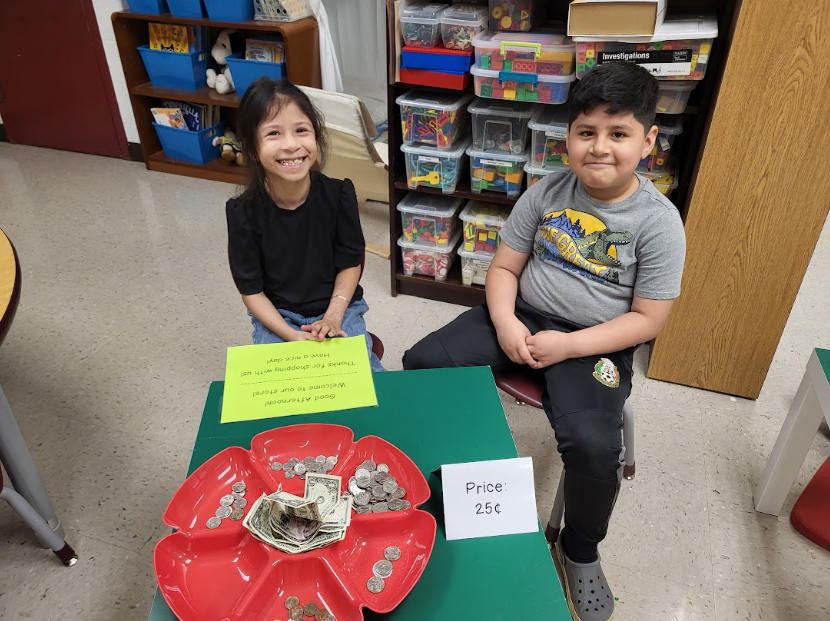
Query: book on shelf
x=196, y=116
x=177, y=38
x=265, y=49
x=171, y=117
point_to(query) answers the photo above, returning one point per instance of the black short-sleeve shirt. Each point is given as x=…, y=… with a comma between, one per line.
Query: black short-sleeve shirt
x=294, y=256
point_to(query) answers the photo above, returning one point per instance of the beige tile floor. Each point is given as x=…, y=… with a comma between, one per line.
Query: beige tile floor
x=127, y=309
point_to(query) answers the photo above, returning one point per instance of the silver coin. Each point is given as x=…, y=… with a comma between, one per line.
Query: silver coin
x=353, y=488
x=308, y=460
x=370, y=465
x=239, y=486
x=320, y=459
x=399, y=493
x=406, y=505
x=328, y=617
x=375, y=584
x=382, y=569
x=381, y=477
x=377, y=491
x=380, y=507
x=363, y=482
x=290, y=474
x=383, y=468
x=300, y=469
x=362, y=499
x=240, y=503
x=238, y=495
x=390, y=487
x=361, y=472
x=213, y=522
x=328, y=466
x=223, y=512
x=302, y=476
x=332, y=459
x=395, y=504
x=392, y=553
x=226, y=501
x=317, y=467
x=362, y=509
x=288, y=465
x=276, y=466
x=237, y=514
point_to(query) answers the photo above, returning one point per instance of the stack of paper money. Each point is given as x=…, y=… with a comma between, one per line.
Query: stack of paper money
x=295, y=525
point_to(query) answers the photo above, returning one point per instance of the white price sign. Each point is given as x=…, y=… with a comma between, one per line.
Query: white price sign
x=489, y=498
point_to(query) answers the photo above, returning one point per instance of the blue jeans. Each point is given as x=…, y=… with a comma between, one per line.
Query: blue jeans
x=353, y=325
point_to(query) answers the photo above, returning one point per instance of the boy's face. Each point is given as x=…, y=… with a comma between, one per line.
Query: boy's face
x=604, y=149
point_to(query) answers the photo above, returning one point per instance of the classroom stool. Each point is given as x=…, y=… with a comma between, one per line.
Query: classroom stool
x=42, y=529
x=377, y=346
x=811, y=514
x=526, y=387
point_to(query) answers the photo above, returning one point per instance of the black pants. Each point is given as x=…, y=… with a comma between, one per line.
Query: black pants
x=585, y=412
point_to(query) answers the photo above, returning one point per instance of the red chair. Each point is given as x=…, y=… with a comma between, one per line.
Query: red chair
x=526, y=386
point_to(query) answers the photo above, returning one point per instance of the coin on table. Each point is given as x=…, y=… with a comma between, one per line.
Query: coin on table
x=226, y=501
x=237, y=514
x=406, y=505
x=392, y=553
x=240, y=503
x=399, y=493
x=381, y=507
x=361, y=472
x=292, y=602
x=395, y=504
x=288, y=465
x=276, y=466
x=363, y=509
x=239, y=486
x=381, y=477
x=353, y=487
x=382, y=569
x=377, y=491
x=290, y=474
x=295, y=614
x=362, y=499
x=310, y=609
x=300, y=469
x=363, y=481
x=238, y=495
x=308, y=460
x=214, y=522
x=390, y=487
x=375, y=584
x=223, y=512
x=383, y=468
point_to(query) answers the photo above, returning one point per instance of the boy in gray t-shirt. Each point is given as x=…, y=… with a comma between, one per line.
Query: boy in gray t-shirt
x=589, y=266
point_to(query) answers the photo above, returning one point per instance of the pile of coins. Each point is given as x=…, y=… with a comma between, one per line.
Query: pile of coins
x=297, y=468
x=230, y=506
x=297, y=611
x=375, y=490
x=383, y=569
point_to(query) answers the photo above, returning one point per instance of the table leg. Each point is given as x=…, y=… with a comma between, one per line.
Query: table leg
x=23, y=474
x=790, y=448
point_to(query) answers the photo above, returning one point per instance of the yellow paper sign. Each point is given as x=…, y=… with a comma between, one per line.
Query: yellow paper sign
x=285, y=379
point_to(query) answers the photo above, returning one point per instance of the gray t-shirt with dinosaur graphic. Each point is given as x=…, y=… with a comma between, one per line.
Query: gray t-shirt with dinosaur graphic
x=589, y=259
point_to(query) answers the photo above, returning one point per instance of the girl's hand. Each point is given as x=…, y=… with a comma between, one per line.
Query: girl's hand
x=296, y=335
x=325, y=328
x=549, y=347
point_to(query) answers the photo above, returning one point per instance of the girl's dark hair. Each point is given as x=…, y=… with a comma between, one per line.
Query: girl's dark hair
x=263, y=99
x=622, y=87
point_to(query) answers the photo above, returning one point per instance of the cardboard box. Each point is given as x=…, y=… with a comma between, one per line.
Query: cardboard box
x=615, y=17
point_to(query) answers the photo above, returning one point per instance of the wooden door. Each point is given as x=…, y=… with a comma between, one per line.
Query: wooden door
x=55, y=87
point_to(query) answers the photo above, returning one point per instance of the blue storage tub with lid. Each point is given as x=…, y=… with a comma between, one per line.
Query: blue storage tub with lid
x=244, y=72
x=148, y=7
x=175, y=69
x=189, y=146
x=187, y=8
x=230, y=10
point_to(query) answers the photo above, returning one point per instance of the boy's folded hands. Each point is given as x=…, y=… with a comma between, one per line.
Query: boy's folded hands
x=548, y=347
x=513, y=335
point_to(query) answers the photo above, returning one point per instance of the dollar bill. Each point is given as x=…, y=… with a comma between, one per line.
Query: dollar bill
x=324, y=489
x=340, y=517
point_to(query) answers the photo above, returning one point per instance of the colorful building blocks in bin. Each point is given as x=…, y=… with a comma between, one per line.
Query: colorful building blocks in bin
x=542, y=52
x=429, y=219
x=460, y=24
x=679, y=50
x=434, y=168
x=549, y=128
x=428, y=260
x=674, y=95
x=665, y=182
x=481, y=225
x=499, y=172
x=500, y=125
x=431, y=118
x=515, y=14
x=536, y=173
x=668, y=127
x=532, y=87
x=474, y=267
x=421, y=24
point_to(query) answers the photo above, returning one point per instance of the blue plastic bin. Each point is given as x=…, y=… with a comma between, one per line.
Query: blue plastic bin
x=148, y=7
x=193, y=147
x=457, y=62
x=175, y=69
x=230, y=10
x=187, y=8
x=246, y=71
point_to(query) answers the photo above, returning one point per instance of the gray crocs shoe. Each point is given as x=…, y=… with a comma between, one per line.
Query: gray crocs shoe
x=586, y=589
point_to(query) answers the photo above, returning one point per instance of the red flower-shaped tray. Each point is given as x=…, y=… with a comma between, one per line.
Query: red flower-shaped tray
x=226, y=574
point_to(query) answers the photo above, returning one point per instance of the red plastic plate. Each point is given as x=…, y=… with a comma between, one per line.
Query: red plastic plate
x=225, y=574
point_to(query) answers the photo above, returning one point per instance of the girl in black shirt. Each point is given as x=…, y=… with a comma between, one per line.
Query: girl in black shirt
x=294, y=239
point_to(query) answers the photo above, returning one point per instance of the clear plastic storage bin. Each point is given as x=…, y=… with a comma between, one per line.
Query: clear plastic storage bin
x=515, y=14
x=421, y=24
x=482, y=224
x=434, y=168
x=668, y=128
x=428, y=260
x=437, y=119
x=500, y=125
x=502, y=172
x=474, y=267
x=545, y=53
x=429, y=219
x=674, y=95
x=460, y=24
x=536, y=173
x=665, y=182
x=552, y=89
x=549, y=129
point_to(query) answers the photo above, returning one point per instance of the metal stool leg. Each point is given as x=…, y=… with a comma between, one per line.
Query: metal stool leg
x=628, y=440
x=558, y=512
x=43, y=531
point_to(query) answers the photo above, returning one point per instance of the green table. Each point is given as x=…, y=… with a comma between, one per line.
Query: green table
x=436, y=417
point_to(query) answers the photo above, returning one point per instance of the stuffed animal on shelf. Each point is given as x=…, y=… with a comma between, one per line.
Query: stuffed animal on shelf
x=231, y=151
x=228, y=42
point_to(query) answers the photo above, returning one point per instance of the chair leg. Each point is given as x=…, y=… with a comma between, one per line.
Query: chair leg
x=42, y=529
x=558, y=512
x=628, y=441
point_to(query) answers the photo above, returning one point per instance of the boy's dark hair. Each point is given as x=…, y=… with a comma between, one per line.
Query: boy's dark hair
x=622, y=87
x=264, y=98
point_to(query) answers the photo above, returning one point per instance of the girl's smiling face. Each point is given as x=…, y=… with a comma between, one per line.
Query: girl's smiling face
x=287, y=145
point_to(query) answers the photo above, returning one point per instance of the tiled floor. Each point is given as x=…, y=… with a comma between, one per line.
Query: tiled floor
x=127, y=309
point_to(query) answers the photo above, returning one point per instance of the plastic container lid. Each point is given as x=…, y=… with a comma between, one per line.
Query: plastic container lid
x=454, y=153
x=417, y=245
x=545, y=41
x=430, y=205
x=671, y=124
x=501, y=158
x=434, y=101
x=677, y=85
x=475, y=254
x=465, y=15
x=553, y=120
x=423, y=12
x=503, y=108
x=488, y=214
x=532, y=168
x=522, y=77
x=673, y=28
